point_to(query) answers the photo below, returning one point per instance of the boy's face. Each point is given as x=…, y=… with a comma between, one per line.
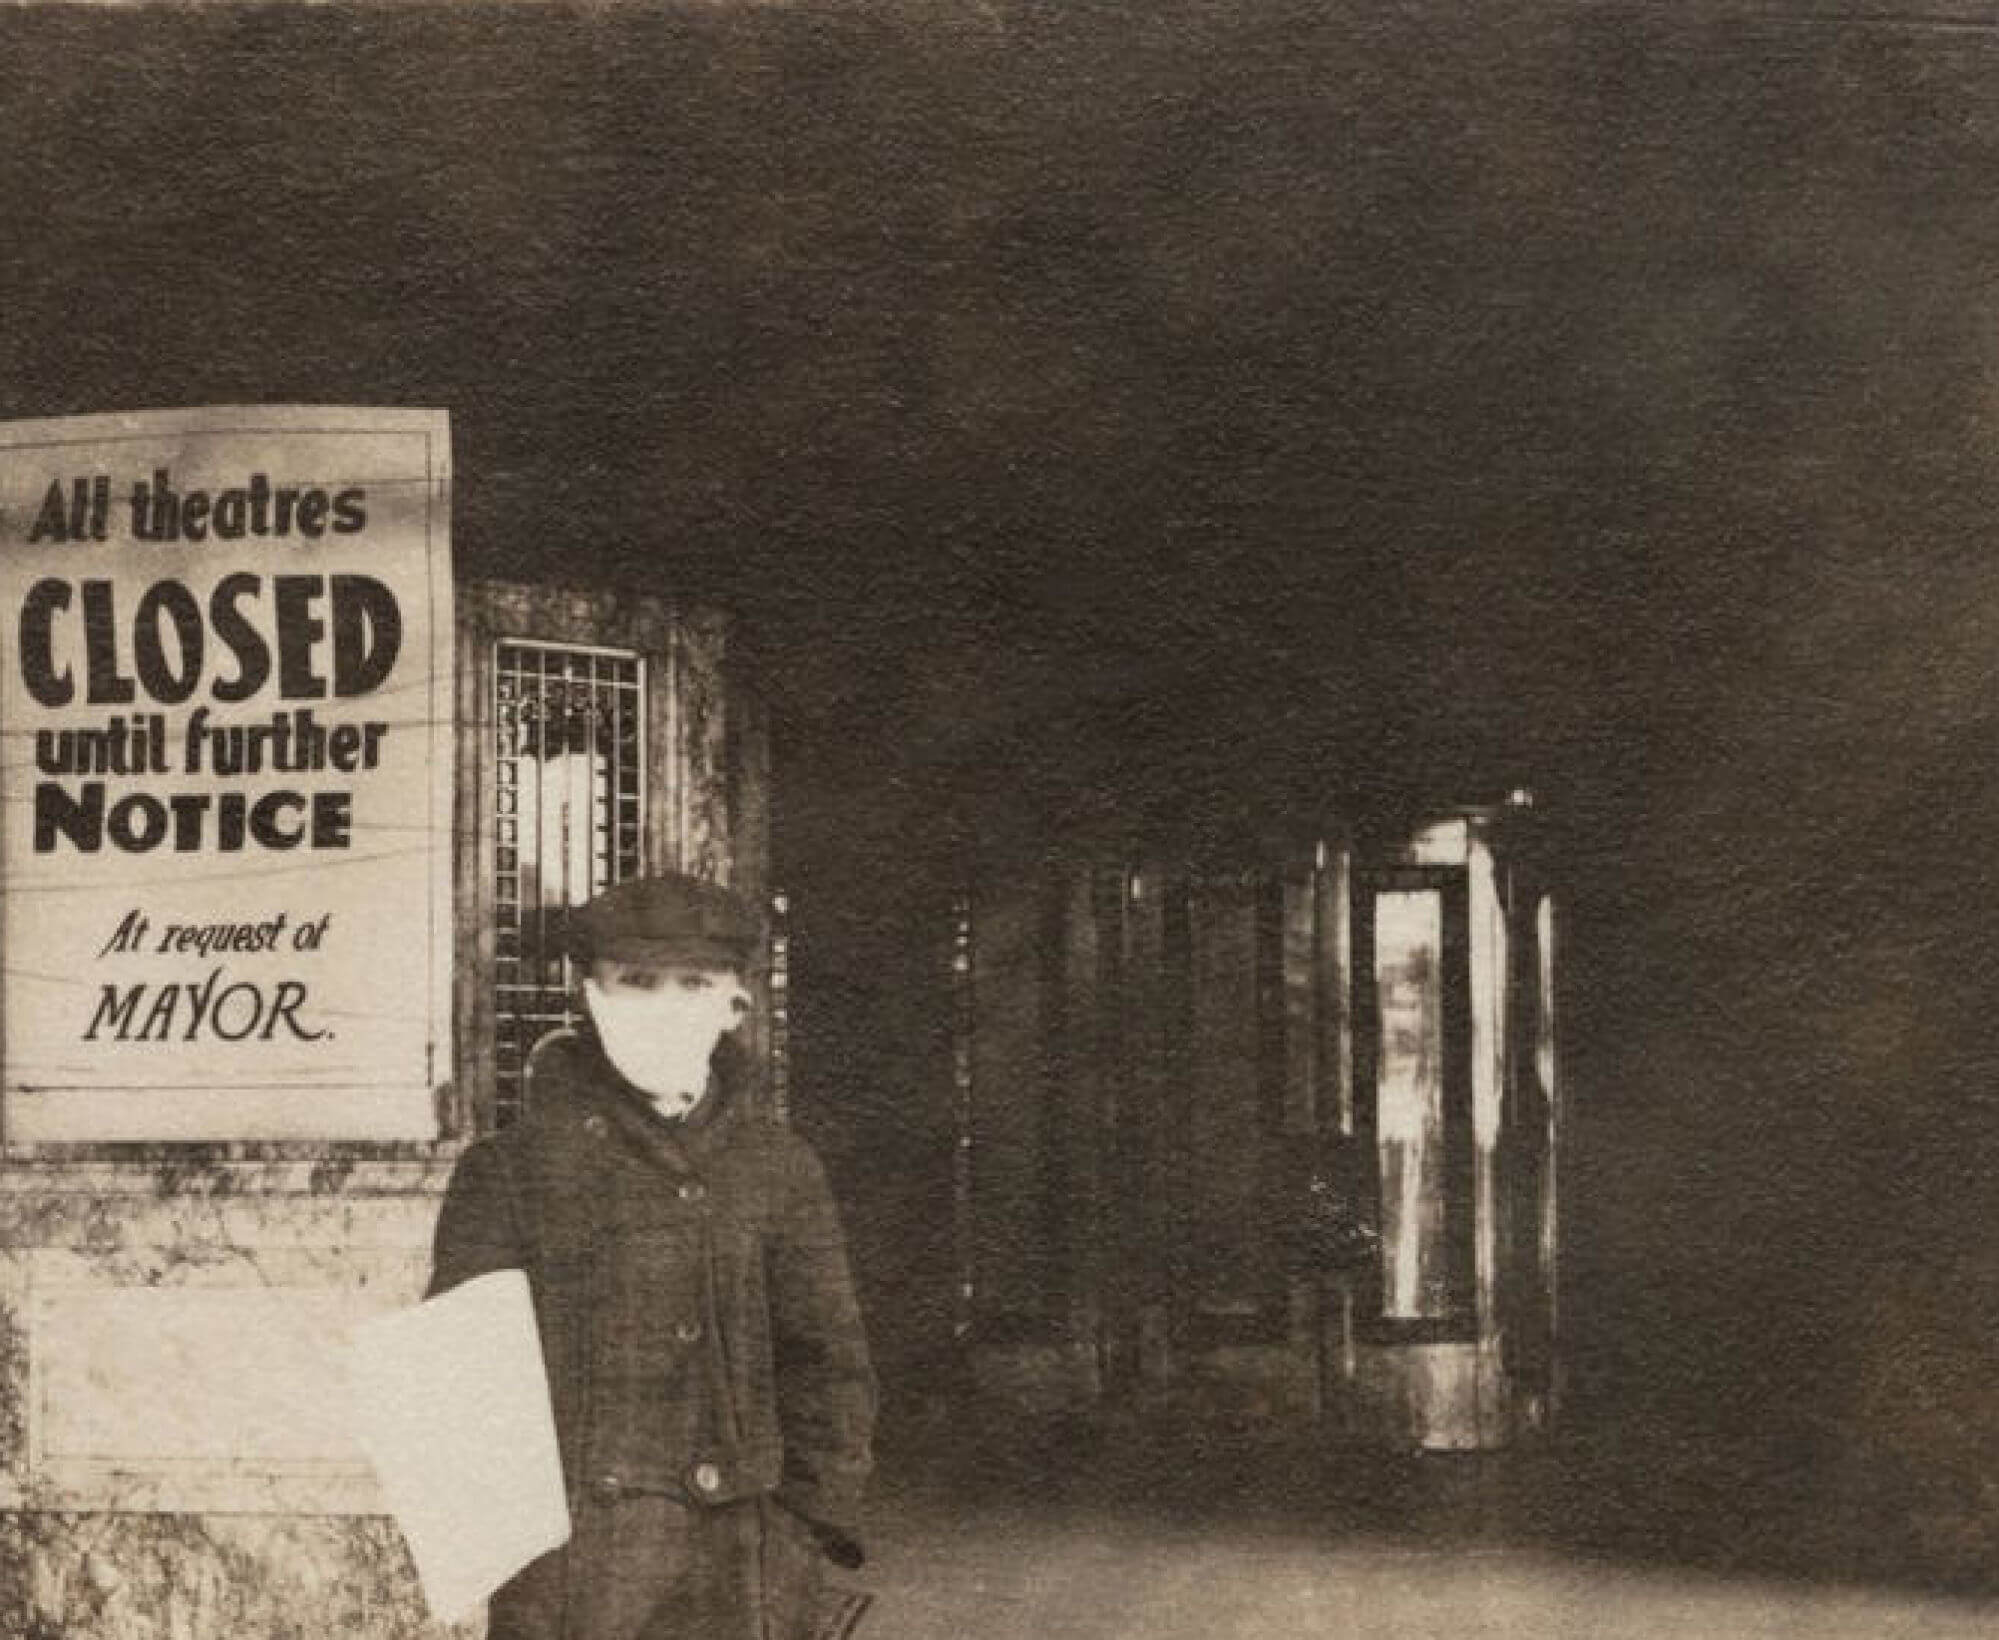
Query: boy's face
x=659, y=1023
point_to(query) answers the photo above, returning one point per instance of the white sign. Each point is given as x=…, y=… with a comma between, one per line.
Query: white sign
x=225, y=763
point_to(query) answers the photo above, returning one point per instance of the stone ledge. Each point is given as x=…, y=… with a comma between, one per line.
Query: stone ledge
x=291, y=1168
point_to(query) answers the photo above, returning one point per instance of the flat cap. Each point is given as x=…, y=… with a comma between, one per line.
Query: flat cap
x=665, y=920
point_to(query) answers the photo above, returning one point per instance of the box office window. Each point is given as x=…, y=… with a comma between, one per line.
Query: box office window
x=601, y=735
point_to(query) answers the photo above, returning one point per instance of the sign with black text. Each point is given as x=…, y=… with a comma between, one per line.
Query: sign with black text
x=226, y=727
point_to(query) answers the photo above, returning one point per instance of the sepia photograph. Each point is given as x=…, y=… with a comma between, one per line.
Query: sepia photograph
x=998, y=820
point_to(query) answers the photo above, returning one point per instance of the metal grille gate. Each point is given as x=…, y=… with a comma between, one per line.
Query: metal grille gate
x=569, y=810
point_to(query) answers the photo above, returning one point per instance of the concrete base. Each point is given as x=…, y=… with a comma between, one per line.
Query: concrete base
x=109, y=1576
x=174, y=1457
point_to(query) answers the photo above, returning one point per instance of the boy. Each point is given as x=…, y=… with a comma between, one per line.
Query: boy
x=710, y=1378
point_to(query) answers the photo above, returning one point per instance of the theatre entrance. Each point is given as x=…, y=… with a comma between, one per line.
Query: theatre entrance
x=1265, y=1143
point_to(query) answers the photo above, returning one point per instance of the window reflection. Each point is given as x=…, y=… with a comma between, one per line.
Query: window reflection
x=1409, y=1125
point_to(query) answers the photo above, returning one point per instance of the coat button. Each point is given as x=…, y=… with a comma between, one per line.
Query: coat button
x=691, y=1191
x=707, y=1478
x=594, y=1126
x=607, y=1489
x=688, y=1331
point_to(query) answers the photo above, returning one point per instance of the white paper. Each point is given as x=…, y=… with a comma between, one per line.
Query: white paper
x=451, y=1405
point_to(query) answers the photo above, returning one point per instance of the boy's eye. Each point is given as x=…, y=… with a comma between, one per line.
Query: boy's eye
x=694, y=982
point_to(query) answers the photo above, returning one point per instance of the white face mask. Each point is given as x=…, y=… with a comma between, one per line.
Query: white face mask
x=661, y=1037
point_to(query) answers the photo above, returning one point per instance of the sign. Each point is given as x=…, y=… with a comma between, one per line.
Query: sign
x=226, y=773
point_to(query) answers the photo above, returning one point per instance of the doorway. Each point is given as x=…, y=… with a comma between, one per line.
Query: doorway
x=1263, y=1143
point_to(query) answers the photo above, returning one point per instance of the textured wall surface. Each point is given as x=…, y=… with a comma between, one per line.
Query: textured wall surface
x=173, y=1448
x=95, y=1576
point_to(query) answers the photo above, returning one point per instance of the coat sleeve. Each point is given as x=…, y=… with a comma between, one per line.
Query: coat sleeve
x=475, y=1232
x=825, y=1381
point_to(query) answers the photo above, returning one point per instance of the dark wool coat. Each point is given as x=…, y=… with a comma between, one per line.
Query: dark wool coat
x=710, y=1378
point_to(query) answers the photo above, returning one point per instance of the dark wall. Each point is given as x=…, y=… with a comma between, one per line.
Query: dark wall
x=1193, y=417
